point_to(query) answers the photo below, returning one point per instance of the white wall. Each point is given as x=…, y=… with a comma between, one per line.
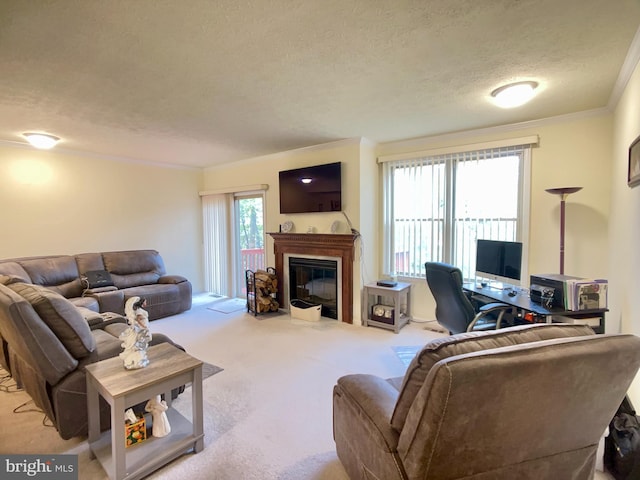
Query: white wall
x=624, y=223
x=573, y=151
x=62, y=203
x=264, y=170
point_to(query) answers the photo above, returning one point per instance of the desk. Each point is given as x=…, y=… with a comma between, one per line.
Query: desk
x=523, y=303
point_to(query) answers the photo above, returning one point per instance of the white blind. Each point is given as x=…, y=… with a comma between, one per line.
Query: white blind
x=217, y=267
x=437, y=206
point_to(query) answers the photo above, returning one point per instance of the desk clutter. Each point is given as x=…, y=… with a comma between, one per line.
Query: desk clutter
x=569, y=293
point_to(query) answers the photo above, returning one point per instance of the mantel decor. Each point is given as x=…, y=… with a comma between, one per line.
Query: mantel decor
x=321, y=244
x=633, y=173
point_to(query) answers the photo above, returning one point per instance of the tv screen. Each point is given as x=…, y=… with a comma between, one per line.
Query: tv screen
x=499, y=260
x=311, y=189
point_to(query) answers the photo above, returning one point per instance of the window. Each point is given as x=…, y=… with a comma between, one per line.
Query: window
x=437, y=206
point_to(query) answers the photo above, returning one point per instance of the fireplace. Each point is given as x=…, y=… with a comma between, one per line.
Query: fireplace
x=337, y=247
x=314, y=280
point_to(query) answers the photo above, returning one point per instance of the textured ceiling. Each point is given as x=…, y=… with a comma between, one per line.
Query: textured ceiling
x=200, y=82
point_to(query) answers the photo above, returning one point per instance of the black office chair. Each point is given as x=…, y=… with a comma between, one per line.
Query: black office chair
x=454, y=310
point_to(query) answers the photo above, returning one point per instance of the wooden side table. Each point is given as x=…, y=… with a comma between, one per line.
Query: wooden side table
x=169, y=368
x=397, y=300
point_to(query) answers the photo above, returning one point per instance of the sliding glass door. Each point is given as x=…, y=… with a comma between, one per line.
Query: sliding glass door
x=249, y=237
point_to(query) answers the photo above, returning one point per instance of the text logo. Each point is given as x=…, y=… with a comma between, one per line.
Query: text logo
x=50, y=467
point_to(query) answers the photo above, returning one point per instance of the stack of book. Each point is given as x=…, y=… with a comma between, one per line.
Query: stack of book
x=585, y=294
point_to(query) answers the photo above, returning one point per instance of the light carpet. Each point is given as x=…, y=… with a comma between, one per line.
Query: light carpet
x=267, y=415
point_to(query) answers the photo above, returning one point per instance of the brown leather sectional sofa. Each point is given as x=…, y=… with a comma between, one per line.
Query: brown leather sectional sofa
x=51, y=326
x=134, y=273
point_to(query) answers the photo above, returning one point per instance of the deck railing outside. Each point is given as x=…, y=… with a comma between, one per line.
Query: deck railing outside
x=252, y=259
x=420, y=240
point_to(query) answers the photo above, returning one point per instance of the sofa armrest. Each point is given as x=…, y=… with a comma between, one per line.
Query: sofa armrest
x=172, y=279
x=110, y=301
x=371, y=400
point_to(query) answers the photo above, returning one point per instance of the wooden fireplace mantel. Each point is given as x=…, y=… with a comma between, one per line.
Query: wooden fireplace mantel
x=322, y=245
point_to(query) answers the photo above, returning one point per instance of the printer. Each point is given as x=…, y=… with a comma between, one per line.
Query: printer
x=547, y=289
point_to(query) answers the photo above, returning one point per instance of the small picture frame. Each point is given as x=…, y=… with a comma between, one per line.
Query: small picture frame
x=633, y=174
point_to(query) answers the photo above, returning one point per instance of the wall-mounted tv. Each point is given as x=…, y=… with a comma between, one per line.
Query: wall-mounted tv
x=311, y=189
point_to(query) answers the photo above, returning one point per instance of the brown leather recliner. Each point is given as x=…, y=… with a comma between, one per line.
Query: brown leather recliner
x=46, y=345
x=526, y=402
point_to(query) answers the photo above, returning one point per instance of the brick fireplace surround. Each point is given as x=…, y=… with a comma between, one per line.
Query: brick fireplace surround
x=322, y=245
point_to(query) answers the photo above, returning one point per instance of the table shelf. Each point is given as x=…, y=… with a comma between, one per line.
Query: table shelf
x=151, y=453
x=169, y=368
x=396, y=298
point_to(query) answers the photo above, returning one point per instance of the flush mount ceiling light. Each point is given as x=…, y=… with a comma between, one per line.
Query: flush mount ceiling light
x=306, y=180
x=43, y=141
x=514, y=94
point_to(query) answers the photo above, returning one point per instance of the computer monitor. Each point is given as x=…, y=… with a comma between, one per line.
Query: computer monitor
x=499, y=261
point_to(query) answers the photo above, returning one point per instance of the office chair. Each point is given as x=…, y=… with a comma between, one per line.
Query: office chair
x=454, y=310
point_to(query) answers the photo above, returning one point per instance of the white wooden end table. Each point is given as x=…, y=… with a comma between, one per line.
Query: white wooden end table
x=169, y=368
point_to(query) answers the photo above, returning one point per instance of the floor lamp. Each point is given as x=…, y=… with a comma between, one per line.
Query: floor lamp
x=563, y=192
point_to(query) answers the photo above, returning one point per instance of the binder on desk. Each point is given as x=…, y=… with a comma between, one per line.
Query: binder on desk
x=586, y=294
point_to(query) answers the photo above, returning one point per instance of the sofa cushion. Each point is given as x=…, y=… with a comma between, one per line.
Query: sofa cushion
x=59, y=274
x=14, y=269
x=89, y=261
x=469, y=342
x=61, y=316
x=134, y=268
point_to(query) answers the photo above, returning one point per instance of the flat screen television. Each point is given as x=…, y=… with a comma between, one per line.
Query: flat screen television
x=499, y=261
x=311, y=189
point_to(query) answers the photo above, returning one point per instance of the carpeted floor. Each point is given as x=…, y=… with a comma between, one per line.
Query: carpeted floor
x=267, y=415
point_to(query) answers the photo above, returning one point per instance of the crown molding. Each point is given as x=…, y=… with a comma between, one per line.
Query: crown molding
x=346, y=142
x=97, y=156
x=627, y=69
x=500, y=129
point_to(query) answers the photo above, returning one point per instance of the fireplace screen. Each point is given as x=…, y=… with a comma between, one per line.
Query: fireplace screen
x=315, y=281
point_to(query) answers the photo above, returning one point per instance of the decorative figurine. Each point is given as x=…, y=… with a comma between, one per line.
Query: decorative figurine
x=136, y=338
x=157, y=408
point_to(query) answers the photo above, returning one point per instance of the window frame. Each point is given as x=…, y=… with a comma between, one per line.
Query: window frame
x=523, y=146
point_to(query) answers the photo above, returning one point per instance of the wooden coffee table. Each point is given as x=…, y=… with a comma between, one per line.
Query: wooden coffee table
x=169, y=368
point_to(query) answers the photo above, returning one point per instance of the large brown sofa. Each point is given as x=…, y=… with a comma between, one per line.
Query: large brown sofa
x=523, y=402
x=46, y=345
x=134, y=273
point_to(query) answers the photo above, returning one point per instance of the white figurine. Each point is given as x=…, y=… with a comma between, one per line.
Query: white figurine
x=157, y=408
x=136, y=338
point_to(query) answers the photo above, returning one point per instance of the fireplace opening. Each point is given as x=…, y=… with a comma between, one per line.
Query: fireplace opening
x=315, y=280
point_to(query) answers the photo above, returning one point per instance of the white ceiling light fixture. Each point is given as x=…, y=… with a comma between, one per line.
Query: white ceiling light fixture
x=43, y=141
x=514, y=94
x=306, y=180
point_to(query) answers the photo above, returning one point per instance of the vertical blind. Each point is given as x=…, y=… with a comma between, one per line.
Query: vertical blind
x=435, y=207
x=217, y=267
